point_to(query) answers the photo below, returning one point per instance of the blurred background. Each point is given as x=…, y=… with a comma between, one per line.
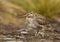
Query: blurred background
x=11, y=10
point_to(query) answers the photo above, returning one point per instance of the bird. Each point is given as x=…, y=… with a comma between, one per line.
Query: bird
x=37, y=22
x=35, y=25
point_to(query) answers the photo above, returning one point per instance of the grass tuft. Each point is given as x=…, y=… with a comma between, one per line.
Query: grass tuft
x=48, y=8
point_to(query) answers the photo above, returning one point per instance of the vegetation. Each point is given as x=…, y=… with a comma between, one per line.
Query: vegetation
x=47, y=8
x=11, y=10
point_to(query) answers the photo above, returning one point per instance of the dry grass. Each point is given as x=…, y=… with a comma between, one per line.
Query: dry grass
x=15, y=8
x=47, y=8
